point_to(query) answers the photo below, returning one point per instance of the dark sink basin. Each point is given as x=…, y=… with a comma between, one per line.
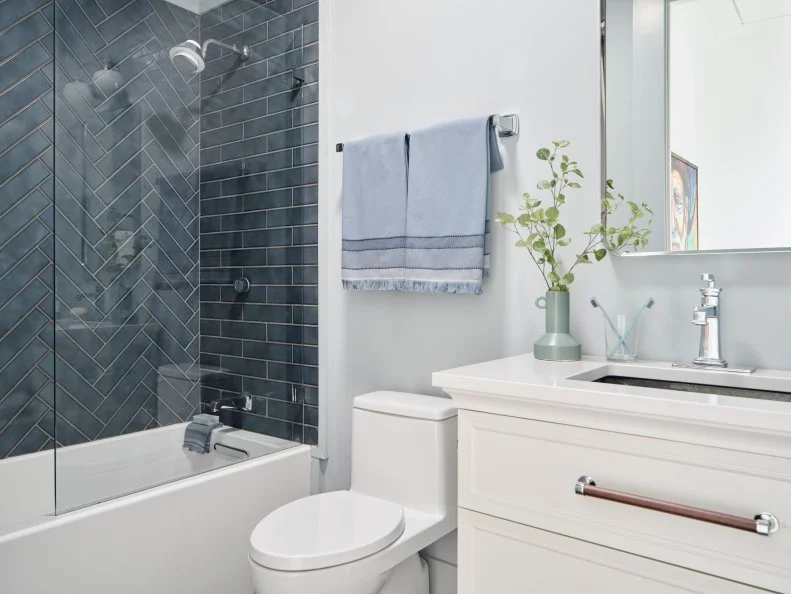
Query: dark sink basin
x=697, y=388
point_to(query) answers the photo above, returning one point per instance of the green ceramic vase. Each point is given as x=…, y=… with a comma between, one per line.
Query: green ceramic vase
x=557, y=344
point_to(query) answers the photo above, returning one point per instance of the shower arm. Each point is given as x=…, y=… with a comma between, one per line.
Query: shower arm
x=244, y=52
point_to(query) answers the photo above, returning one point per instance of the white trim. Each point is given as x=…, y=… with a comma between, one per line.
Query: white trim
x=328, y=255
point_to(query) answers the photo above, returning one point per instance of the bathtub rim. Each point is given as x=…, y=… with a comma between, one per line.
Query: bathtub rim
x=25, y=528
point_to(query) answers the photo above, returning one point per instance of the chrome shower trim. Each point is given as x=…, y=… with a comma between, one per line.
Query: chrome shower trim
x=244, y=52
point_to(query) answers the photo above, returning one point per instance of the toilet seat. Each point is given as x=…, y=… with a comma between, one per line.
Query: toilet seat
x=325, y=530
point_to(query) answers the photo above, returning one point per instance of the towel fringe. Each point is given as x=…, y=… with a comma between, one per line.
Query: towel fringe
x=415, y=286
x=372, y=285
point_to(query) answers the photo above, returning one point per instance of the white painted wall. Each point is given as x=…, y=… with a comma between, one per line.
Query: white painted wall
x=723, y=74
x=414, y=64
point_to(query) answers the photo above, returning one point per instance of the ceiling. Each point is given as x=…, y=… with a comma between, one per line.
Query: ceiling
x=753, y=11
x=198, y=6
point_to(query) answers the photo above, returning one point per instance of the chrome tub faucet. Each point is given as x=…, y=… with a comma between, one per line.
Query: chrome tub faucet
x=243, y=403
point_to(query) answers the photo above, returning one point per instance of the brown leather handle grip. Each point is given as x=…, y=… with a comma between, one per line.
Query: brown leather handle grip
x=762, y=523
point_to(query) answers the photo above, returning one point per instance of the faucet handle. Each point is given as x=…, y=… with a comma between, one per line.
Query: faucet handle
x=708, y=278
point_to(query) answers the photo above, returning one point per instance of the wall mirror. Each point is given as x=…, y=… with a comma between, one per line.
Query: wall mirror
x=697, y=120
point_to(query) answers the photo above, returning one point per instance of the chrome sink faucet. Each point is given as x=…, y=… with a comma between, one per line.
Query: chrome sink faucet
x=707, y=315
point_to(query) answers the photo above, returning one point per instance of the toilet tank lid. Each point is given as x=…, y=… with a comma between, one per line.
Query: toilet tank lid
x=403, y=404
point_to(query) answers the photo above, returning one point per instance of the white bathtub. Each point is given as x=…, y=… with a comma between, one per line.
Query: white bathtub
x=188, y=535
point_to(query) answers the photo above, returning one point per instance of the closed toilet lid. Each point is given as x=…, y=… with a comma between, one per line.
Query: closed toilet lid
x=325, y=530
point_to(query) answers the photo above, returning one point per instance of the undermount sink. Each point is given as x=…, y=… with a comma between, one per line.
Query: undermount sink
x=700, y=388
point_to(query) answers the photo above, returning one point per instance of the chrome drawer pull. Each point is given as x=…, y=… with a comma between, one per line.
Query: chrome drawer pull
x=763, y=523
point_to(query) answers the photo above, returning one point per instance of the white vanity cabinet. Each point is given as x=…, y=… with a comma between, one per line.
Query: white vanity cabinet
x=529, y=431
x=500, y=556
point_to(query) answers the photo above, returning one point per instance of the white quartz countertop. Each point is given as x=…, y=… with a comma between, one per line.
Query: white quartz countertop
x=516, y=385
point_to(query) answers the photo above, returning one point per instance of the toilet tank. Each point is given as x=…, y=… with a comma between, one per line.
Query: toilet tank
x=404, y=450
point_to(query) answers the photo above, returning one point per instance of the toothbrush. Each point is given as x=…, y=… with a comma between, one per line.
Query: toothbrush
x=595, y=303
x=648, y=305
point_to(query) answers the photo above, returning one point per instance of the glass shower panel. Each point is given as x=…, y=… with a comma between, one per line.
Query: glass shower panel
x=27, y=419
x=128, y=162
x=126, y=246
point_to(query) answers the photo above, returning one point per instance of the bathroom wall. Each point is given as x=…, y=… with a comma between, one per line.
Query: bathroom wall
x=122, y=236
x=542, y=60
x=26, y=212
x=259, y=214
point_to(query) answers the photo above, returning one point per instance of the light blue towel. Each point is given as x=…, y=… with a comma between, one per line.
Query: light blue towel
x=374, y=200
x=448, y=208
x=197, y=436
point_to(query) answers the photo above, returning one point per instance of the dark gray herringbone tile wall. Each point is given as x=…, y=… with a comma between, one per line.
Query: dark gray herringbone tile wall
x=259, y=213
x=125, y=253
x=27, y=423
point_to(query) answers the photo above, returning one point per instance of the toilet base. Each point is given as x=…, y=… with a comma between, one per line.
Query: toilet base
x=408, y=577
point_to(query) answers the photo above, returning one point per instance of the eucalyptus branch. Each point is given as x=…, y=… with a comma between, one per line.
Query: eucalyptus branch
x=542, y=268
x=545, y=235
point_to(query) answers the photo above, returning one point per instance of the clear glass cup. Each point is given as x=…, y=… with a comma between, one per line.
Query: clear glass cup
x=621, y=338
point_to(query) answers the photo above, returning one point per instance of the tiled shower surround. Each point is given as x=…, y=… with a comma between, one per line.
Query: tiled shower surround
x=26, y=220
x=100, y=167
x=259, y=214
x=108, y=277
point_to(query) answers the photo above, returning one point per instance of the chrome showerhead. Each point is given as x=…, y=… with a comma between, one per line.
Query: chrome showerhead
x=189, y=57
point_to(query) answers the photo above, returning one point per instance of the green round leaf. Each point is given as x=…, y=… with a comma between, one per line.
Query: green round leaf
x=600, y=254
x=560, y=231
x=543, y=154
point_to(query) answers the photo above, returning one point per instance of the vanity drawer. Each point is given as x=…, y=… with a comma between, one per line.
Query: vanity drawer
x=500, y=556
x=526, y=471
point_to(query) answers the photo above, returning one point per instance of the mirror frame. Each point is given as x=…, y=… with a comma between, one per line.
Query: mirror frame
x=603, y=102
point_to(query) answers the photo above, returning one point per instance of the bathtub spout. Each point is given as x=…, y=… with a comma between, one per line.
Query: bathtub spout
x=243, y=403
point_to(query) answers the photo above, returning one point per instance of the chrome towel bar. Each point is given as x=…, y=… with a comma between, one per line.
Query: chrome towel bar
x=507, y=125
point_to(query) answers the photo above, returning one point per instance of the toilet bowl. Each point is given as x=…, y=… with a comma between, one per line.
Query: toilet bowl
x=366, y=540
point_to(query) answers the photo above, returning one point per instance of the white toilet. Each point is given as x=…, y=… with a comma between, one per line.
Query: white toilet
x=402, y=499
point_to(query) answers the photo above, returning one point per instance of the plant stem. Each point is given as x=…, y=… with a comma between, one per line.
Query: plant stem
x=530, y=251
